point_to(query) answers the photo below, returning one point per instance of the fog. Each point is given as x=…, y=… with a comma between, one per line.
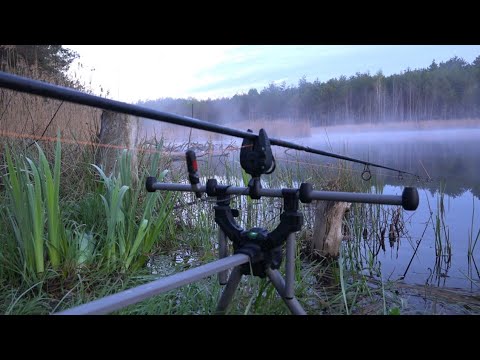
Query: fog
x=434, y=153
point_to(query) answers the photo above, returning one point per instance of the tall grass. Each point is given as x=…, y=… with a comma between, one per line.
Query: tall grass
x=23, y=115
x=110, y=229
x=44, y=237
x=133, y=223
x=472, y=243
x=33, y=195
x=51, y=187
x=443, y=247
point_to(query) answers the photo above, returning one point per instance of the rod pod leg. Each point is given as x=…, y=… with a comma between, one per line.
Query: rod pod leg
x=290, y=267
x=229, y=291
x=222, y=253
x=279, y=283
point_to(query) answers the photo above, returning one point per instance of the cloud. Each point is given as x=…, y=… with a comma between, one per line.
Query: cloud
x=142, y=72
x=137, y=72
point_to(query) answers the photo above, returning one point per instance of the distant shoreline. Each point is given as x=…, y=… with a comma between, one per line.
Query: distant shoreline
x=409, y=125
x=291, y=130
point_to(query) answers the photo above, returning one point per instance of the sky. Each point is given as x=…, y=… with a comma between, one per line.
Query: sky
x=148, y=72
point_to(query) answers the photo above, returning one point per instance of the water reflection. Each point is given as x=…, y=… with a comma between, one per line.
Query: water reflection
x=437, y=244
x=437, y=253
x=443, y=155
x=441, y=245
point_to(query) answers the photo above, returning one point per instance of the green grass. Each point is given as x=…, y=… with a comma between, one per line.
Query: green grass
x=65, y=243
x=106, y=229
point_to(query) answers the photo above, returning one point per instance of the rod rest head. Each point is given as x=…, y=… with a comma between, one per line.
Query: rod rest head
x=149, y=183
x=305, y=193
x=410, y=198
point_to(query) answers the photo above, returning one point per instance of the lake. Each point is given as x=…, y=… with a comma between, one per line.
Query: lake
x=447, y=161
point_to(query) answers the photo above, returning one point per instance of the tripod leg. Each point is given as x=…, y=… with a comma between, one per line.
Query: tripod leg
x=290, y=267
x=229, y=291
x=279, y=284
x=222, y=253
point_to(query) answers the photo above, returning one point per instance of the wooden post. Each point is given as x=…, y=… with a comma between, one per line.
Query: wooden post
x=327, y=229
x=117, y=132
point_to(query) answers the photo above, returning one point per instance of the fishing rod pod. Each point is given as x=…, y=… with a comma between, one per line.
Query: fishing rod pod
x=264, y=248
x=409, y=199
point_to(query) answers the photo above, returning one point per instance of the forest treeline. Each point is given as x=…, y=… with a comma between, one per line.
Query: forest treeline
x=42, y=62
x=444, y=91
x=26, y=114
x=447, y=90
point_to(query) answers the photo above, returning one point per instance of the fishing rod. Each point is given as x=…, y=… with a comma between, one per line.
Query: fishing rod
x=26, y=85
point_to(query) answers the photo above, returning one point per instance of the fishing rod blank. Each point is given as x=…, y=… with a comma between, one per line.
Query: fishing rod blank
x=26, y=85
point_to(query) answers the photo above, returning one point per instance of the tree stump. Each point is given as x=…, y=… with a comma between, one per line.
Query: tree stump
x=327, y=228
x=117, y=132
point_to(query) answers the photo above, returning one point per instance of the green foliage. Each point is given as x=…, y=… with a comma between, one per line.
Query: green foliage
x=33, y=194
x=51, y=187
x=133, y=227
x=37, y=236
x=39, y=61
x=53, y=57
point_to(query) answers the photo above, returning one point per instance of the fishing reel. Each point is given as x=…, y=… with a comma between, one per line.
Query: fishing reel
x=256, y=158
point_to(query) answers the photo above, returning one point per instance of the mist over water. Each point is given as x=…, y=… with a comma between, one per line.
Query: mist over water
x=449, y=159
x=442, y=157
x=438, y=155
